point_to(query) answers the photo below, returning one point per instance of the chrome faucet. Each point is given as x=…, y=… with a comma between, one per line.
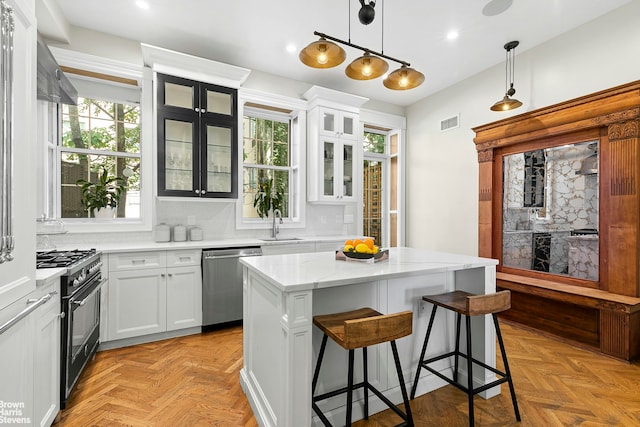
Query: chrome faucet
x=274, y=229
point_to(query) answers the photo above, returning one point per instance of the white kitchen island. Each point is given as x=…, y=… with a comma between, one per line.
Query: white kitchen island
x=282, y=293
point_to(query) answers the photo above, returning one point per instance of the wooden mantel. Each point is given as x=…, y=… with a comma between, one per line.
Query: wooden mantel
x=604, y=315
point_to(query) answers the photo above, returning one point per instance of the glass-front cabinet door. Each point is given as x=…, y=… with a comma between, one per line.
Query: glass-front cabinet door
x=337, y=170
x=197, y=139
x=347, y=170
x=329, y=169
x=220, y=167
x=179, y=137
x=338, y=123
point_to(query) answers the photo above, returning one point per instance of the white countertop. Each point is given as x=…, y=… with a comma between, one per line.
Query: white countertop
x=136, y=246
x=45, y=274
x=306, y=271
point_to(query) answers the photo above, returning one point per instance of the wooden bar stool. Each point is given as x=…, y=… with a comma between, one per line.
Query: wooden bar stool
x=470, y=305
x=359, y=329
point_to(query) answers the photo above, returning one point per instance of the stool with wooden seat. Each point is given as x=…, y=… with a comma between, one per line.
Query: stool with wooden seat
x=470, y=305
x=360, y=329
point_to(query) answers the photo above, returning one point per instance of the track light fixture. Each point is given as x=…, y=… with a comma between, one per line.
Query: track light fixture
x=508, y=103
x=325, y=53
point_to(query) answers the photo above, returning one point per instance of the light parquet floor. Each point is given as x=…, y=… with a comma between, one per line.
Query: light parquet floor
x=194, y=381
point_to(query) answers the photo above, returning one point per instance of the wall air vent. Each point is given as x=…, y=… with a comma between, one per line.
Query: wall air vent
x=450, y=123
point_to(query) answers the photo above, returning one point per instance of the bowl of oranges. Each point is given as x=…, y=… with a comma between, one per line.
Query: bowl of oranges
x=364, y=248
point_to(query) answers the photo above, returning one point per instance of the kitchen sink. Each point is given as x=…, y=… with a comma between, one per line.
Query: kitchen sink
x=280, y=239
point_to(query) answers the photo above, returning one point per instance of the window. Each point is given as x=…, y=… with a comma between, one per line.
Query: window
x=380, y=185
x=272, y=161
x=374, y=173
x=100, y=135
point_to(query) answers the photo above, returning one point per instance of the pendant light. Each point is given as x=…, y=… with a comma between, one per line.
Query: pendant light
x=322, y=54
x=508, y=103
x=367, y=67
x=403, y=78
x=325, y=53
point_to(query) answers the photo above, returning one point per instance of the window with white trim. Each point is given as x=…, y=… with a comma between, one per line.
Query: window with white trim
x=272, y=139
x=101, y=133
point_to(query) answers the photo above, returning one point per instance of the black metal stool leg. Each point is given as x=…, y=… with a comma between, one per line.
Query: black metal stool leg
x=422, y=353
x=365, y=385
x=470, y=372
x=457, y=353
x=403, y=388
x=317, y=371
x=506, y=366
x=350, y=389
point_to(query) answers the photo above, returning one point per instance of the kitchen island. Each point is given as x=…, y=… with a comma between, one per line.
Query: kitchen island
x=282, y=293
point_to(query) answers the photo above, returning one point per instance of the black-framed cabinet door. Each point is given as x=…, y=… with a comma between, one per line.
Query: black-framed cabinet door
x=178, y=155
x=203, y=116
x=219, y=164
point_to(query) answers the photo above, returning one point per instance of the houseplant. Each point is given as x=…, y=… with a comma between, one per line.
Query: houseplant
x=101, y=198
x=268, y=198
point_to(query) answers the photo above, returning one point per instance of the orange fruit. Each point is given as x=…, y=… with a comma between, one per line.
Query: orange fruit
x=369, y=242
x=356, y=242
x=348, y=243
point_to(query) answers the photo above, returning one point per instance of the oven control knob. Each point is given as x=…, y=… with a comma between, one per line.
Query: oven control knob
x=76, y=282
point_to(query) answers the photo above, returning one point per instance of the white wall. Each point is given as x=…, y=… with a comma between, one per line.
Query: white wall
x=442, y=167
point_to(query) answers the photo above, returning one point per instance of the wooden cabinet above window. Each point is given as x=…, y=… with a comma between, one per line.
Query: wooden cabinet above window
x=197, y=139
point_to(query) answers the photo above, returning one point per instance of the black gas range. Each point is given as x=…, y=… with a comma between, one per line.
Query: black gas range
x=80, y=296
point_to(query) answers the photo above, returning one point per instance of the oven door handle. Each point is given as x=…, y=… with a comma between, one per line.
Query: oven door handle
x=91, y=294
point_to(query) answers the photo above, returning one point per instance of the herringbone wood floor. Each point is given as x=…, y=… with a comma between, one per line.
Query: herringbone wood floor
x=194, y=381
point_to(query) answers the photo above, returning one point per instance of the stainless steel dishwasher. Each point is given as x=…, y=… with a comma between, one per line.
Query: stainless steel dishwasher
x=222, y=284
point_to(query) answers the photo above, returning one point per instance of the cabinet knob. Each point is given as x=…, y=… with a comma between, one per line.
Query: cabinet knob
x=197, y=191
x=203, y=192
x=203, y=110
x=197, y=110
x=162, y=274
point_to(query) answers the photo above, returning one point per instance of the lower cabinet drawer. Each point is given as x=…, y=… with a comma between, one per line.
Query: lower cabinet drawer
x=184, y=257
x=137, y=260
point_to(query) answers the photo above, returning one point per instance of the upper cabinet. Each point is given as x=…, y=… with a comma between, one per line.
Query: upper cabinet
x=333, y=148
x=197, y=139
x=338, y=123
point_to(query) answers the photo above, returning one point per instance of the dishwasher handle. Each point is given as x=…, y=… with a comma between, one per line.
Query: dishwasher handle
x=230, y=254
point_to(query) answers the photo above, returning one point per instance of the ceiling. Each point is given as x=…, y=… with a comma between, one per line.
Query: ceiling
x=255, y=34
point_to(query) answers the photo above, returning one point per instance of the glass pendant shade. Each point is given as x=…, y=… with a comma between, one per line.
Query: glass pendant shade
x=404, y=78
x=506, y=104
x=322, y=54
x=367, y=67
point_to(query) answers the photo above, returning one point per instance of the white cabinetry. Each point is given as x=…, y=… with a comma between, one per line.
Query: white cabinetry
x=47, y=356
x=334, y=151
x=184, y=289
x=332, y=245
x=16, y=362
x=137, y=302
x=289, y=248
x=302, y=247
x=337, y=123
x=332, y=155
x=153, y=292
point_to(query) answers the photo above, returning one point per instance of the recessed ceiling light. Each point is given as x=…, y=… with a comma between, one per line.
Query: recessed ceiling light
x=452, y=35
x=291, y=48
x=142, y=4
